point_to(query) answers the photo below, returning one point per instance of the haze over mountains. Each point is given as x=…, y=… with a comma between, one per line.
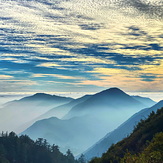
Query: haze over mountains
x=78, y=46
x=74, y=124
x=16, y=113
x=91, y=116
x=58, y=112
x=146, y=101
x=121, y=132
x=61, y=110
x=112, y=99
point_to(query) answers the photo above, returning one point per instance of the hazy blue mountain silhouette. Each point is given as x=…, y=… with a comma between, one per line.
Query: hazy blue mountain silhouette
x=61, y=110
x=58, y=112
x=21, y=111
x=47, y=98
x=103, y=112
x=145, y=100
x=112, y=98
x=74, y=133
x=121, y=132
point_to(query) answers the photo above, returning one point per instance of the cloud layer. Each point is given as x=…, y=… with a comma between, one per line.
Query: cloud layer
x=73, y=45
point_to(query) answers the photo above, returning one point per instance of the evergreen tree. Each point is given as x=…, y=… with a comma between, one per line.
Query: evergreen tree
x=70, y=157
x=81, y=159
x=14, y=149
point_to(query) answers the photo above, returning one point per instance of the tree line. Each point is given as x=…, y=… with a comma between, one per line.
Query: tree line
x=22, y=149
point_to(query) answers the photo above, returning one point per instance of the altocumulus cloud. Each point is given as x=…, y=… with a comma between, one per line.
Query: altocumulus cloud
x=85, y=45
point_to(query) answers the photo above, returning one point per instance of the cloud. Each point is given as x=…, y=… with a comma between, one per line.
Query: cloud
x=93, y=26
x=5, y=77
x=17, y=85
x=151, y=7
x=55, y=75
x=48, y=64
x=100, y=42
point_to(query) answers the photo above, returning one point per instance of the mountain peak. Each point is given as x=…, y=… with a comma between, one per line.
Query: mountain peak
x=112, y=91
x=44, y=96
x=41, y=94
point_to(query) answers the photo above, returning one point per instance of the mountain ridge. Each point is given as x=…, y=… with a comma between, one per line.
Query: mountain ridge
x=120, y=132
x=107, y=99
x=27, y=109
x=100, y=117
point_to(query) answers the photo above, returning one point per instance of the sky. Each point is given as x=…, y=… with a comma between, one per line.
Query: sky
x=81, y=45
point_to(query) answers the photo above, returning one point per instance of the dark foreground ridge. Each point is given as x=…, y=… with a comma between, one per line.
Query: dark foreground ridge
x=145, y=144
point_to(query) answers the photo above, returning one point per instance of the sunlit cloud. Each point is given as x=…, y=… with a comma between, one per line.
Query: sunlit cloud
x=89, y=60
x=99, y=43
x=49, y=65
x=55, y=75
x=14, y=55
x=6, y=77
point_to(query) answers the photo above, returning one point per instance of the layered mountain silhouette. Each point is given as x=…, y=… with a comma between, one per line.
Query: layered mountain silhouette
x=90, y=118
x=76, y=133
x=145, y=100
x=62, y=110
x=58, y=112
x=107, y=100
x=21, y=111
x=46, y=98
x=121, y=132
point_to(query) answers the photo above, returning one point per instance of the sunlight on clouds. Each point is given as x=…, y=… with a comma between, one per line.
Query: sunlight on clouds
x=20, y=82
x=89, y=60
x=126, y=79
x=8, y=59
x=17, y=85
x=109, y=71
x=13, y=55
x=137, y=52
x=69, y=40
x=50, y=51
x=126, y=83
x=48, y=65
x=5, y=77
x=153, y=69
x=57, y=76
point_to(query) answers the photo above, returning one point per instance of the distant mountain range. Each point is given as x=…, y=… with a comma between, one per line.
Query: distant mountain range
x=58, y=112
x=62, y=110
x=88, y=120
x=16, y=113
x=146, y=101
x=108, y=100
x=75, y=133
x=121, y=132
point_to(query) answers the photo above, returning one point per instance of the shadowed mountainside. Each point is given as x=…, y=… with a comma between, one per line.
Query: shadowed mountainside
x=121, y=132
x=143, y=145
